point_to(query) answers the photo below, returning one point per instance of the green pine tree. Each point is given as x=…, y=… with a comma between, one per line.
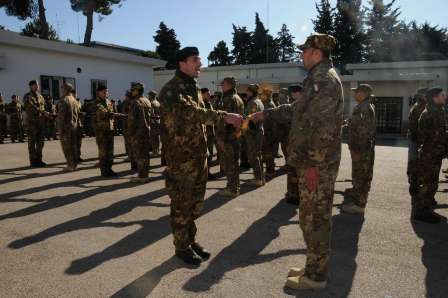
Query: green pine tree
x=220, y=56
x=324, y=22
x=242, y=45
x=286, y=47
x=168, y=45
x=34, y=29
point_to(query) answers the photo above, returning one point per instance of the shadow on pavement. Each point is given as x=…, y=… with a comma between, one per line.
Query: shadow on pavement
x=434, y=256
x=246, y=250
x=62, y=200
x=145, y=284
x=95, y=219
x=150, y=232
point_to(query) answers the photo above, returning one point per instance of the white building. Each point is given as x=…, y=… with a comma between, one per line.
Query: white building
x=394, y=84
x=53, y=63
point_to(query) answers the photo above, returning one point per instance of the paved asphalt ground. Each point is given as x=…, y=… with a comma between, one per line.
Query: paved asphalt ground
x=79, y=235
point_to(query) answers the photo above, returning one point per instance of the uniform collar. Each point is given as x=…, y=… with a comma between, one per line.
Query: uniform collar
x=324, y=64
x=185, y=77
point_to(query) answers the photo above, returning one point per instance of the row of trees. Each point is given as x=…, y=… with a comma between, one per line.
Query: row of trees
x=376, y=34
x=39, y=26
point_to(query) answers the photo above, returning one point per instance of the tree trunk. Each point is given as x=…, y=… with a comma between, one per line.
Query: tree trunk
x=43, y=21
x=89, y=27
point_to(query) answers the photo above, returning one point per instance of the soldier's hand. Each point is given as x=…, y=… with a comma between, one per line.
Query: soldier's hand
x=312, y=178
x=257, y=117
x=234, y=119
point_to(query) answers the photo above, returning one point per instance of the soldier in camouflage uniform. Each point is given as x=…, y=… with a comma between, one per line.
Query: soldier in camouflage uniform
x=270, y=140
x=155, y=122
x=184, y=117
x=361, y=142
x=414, y=115
x=314, y=149
x=432, y=148
x=229, y=138
x=15, y=110
x=125, y=110
x=69, y=123
x=80, y=130
x=210, y=131
x=36, y=115
x=283, y=96
x=50, y=122
x=139, y=130
x=104, y=131
x=3, y=120
x=253, y=135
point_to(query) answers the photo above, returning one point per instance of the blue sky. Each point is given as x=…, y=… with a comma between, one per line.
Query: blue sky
x=200, y=22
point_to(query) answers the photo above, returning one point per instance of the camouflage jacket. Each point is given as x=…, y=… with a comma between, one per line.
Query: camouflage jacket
x=432, y=136
x=139, y=119
x=315, y=135
x=231, y=103
x=104, y=119
x=155, y=120
x=15, y=110
x=125, y=110
x=184, y=117
x=50, y=108
x=34, y=106
x=283, y=99
x=210, y=128
x=68, y=116
x=2, y=108
x=269, y=124
x=254, y=105
x=414, y=115
x=362, y=127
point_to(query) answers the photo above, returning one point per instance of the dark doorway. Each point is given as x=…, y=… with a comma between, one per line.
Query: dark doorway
x=388, y=114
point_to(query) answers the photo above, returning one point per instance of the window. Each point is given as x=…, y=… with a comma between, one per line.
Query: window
x=94, y=85
x=52, y=85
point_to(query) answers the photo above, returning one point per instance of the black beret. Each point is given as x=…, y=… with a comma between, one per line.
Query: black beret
x=186, y=52
x=101, y=87
x=32, y=82
x=295, y=88
x=203, y=90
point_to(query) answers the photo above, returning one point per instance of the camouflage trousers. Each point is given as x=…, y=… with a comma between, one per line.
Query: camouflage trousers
x=230, y=160
x=70, y=146
x=79, y=141
x=140, y=155
x=270, y=148
x=3, y=128
x=292, y=187
x=362, y=174
x=254, y=143
x=35, y=143
x=412, y=169
x=428, y=181
x=155, y=141
x=16, y=129
x=50, y=129
x=315, y=220
x=186, y=189
x=105, y=142
x=210, y=148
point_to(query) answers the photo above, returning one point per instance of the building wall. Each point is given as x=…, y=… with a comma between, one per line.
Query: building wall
x=23, y=64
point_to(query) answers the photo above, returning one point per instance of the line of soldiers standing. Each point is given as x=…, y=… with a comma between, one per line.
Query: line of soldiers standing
x=428, y=142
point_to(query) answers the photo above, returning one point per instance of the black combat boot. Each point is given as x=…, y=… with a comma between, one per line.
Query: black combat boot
x=427, y=216
x=200, y=251
x=189, y=256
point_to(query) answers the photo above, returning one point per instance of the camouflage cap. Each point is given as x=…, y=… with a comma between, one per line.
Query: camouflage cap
x=186, y=52
x=366, y=88
x=433, y=92
x=138, y=86
x=422, y=91
x=32, y=82
x=283, y=91
x=68, y=87
x=253, y=88
x=229, y=80
x=152, y=94
x=319, y=41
